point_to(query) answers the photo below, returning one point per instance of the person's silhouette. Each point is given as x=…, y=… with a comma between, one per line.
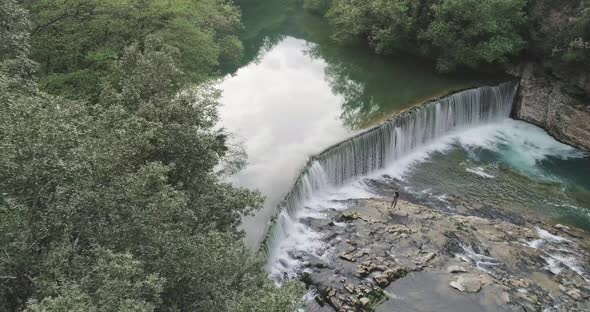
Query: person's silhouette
x=395, y=198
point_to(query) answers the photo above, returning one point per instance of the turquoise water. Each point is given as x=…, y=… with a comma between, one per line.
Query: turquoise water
x=512, y=165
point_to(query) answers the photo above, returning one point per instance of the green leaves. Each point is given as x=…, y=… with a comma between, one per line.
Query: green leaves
x=114, y=203
x=470, y=32
x=75, y=41
x=105, y=282
x=455, y=32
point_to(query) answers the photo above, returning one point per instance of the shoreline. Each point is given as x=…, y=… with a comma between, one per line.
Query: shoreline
x=478, y=256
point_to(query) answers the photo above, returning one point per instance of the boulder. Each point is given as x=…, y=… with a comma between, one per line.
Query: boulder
x=469, y=283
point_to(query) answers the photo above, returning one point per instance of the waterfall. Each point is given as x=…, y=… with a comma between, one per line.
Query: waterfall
x=384, y=144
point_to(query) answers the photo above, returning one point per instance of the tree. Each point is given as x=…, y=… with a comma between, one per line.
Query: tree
x=472, y=32
x=387, y=24
x=116, y=205
x=454, y=32
x=75, y=41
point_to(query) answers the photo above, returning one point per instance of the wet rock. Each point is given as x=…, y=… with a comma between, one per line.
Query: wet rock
x=315, y=262
x=469, y=283
x=456, y=269
x=349, y=287
x=368, y=256
x=574, y=293
x=364, y=301
x=319, y=300
x=348, y=216
x=562, y=227
x=453, y=244
x=426, y=258
x=384, y=278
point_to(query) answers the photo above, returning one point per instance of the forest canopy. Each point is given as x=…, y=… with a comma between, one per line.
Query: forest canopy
x=75, y=41
x=112, y=199
x=454, y=32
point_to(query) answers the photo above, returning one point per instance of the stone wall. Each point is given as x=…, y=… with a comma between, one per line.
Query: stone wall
x=548, y=102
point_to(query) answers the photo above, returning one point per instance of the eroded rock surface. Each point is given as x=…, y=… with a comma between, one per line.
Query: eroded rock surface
x=464, y=261
x=546, y=101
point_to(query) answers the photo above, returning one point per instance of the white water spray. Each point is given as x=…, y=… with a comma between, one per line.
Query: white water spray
x=371, y=151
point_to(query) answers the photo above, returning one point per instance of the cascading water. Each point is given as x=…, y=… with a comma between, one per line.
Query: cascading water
x=373, y=150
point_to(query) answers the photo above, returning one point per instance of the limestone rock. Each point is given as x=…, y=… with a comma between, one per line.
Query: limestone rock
x=456, y=269
x=470, y=283
x=562, y=227
x=386, y=277
x=426, y=258
x=381, y=279
x=364, y=301
x=545, y=103
x=348, y=257
x=574, y=293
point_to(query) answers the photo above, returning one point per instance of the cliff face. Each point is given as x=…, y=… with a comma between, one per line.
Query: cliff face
x=554, y=93
x=548, y=102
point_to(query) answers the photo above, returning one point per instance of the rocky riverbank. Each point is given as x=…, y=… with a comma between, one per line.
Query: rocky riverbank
x=464, y=258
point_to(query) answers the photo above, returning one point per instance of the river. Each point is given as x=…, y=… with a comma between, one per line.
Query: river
x=299, y=92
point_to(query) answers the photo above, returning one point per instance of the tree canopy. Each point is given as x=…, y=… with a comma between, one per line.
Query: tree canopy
x=116, y=203
x=75, y=41
x=454, y=32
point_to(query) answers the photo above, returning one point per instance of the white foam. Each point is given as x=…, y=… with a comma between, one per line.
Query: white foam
x=482, y=262
x=480, y=172
x=545, y=235
x=558, y=254
x=519, y=144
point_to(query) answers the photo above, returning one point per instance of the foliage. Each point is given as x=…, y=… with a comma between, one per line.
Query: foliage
x=317, y=6
x=472, y=32
x=577, y=49
x=455, y=32
x=115, y=204
x=75, y=41
x=387, y=24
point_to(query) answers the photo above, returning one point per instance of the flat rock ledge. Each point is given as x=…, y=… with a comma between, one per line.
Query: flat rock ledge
x=531, y=266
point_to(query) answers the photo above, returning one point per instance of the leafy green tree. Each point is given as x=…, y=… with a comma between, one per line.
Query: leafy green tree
x=101, y=281
x=75, y=41
x=116, y=205
x=387, y=24
x=454, y=32
x=472, y=32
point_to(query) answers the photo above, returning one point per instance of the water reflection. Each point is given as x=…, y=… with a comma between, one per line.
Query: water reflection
x=298, y=92
x=283, y=110
x=373, y=86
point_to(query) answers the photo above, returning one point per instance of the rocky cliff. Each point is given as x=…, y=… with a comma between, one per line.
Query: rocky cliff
x=555, y=78
x=554, y=104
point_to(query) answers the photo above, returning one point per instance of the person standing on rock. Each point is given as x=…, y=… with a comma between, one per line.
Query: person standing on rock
x=395, y=198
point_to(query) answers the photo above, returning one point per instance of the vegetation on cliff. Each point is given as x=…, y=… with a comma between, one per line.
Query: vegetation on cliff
x=111, y=192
